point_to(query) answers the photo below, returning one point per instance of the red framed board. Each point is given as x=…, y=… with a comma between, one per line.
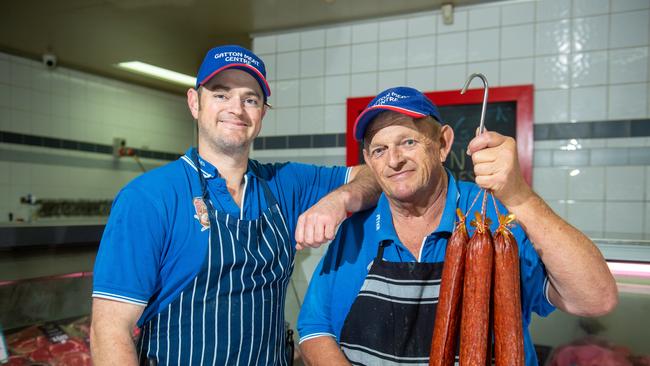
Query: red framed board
x=509, y=112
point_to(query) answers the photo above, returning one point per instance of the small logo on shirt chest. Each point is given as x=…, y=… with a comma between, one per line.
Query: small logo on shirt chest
x=377, y=222
x=201, y=213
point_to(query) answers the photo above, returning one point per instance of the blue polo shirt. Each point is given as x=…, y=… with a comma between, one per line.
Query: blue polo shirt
x=154, y=243
x=341, y=272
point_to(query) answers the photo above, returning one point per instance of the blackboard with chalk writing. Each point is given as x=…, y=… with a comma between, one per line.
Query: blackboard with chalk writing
x=465, y=119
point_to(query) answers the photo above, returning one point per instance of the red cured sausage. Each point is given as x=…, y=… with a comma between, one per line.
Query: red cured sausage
x=445, y=330
x=508, y=337
x=476, y=296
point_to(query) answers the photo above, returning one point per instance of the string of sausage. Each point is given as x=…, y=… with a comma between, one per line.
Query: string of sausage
x=476, y=295
x=445, y=334
x=470, y=266
x=508, y=337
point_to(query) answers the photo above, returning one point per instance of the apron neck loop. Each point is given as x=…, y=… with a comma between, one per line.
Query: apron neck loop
x=270, y=198
x=380, y=251
x=204, y=189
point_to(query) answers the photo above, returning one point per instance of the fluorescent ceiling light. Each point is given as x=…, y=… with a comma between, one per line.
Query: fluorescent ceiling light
x=633, y=288
x=158, y=72
x=641, y=270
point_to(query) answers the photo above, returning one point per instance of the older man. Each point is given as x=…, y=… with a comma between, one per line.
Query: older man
x=372, y=298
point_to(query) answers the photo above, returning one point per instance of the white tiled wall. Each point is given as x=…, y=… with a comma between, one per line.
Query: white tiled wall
x=68, y=104
x=588, y=61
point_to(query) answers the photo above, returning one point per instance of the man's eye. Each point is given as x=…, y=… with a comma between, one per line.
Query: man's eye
x=253, y=102
x=377, y=152
x=409, y=142
x=220, y=96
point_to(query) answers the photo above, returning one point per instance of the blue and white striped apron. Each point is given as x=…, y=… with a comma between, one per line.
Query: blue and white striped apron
x=233, y=311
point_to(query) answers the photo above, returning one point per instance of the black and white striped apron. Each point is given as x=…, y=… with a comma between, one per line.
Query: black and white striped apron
x=391, y=320
x=232, y=313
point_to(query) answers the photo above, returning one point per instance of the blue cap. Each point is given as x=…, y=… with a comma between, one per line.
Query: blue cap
x=401, y=99
x=233, y=57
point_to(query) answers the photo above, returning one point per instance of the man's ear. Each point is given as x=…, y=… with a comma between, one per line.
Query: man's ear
x=446, y=140
x=265, y=108
x=193, y=102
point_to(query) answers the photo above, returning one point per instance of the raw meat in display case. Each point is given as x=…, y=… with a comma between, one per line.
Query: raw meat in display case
x=51, y=344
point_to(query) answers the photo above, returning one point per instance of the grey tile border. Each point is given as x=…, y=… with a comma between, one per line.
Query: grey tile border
x=275, y=142
x=258, y=143
x=42, y=141
x=557, y=131
x=300, y=141
x=342, y=141
x=324, y=140
x=38, y=157
x=542, y=132
x=640, y=128
x=610, y=130
x=593, y=130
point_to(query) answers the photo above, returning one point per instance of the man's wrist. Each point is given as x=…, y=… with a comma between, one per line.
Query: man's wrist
x=522, y=197
x=525, y=204
x=346, y=198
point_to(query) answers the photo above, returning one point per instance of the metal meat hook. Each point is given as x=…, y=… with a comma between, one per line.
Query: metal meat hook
x=485, y=96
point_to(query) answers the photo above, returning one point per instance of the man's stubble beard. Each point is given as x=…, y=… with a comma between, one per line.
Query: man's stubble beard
x=219, y=144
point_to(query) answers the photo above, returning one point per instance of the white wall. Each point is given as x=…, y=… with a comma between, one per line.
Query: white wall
x=72, y=105
x=588, y=61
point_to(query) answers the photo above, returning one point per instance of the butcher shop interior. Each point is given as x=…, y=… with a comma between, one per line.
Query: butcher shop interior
x=99, y=102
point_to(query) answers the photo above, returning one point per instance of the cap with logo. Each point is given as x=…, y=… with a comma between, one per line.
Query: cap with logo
x=233, y=57
x=402, y=99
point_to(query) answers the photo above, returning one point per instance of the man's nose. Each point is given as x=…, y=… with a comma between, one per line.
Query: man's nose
x=395, y=157
x=235, y=105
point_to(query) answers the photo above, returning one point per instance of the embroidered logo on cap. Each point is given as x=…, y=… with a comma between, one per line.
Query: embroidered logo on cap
x=201, y=213
x=389, y=98
x=238, y=57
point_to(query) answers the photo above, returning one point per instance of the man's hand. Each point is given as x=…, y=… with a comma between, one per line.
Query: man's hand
x=319, y=223
x=496, y=168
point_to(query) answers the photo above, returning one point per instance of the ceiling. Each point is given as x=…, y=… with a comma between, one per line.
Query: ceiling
x=94, y=35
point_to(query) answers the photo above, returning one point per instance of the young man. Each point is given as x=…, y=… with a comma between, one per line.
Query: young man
x=199, y=252
x=372, y=298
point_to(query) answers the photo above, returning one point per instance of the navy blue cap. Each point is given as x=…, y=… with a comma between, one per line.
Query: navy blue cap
x=401, y=99
x=232, y=57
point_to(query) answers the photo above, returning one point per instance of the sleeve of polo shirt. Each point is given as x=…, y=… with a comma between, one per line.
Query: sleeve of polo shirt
x=534, y=279
x=127, y=264
x=315, y=182
x=315, y=319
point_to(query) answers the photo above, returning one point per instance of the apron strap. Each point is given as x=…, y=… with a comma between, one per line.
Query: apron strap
x=270, y=198
x=204, y=192
x=380, y=251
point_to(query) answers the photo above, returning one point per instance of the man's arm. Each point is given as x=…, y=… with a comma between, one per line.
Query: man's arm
x=110, y=332
x=322, y=351
x=318, y=224
x=580, y=280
